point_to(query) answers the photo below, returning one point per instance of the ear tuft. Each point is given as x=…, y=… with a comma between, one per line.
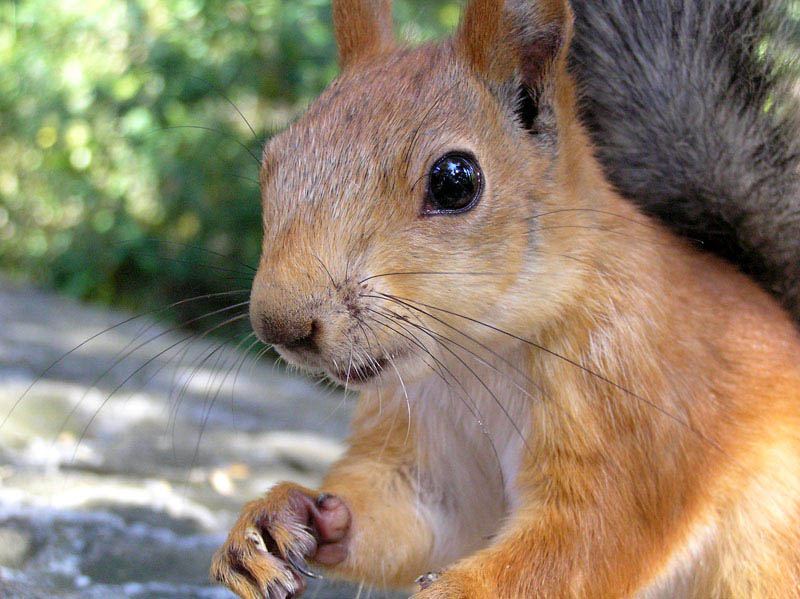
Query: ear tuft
x=527, y=108
x=363, y=28
x=519, y=41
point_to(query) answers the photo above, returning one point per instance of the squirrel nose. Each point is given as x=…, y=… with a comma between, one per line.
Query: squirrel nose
x=286, y=312
x=300, y=333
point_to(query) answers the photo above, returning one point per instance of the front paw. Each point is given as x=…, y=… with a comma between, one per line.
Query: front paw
x=266, y=551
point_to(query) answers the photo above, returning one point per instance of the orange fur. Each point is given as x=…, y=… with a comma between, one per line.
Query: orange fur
x=648, y=443
x=363, y=28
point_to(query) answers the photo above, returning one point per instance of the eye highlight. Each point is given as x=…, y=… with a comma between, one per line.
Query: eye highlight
x=455, y=183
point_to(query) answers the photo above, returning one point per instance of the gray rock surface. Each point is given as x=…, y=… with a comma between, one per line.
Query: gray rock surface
x=120, y=477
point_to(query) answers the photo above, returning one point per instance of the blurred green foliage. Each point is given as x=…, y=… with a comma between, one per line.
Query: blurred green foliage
x=122, y=151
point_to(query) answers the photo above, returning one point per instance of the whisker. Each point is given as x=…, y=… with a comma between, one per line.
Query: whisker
x=492, y=395
x=212, y=130
x=590, y=263
x=219, y=92
x=65, y=355
x=402, y=384
x=433, y=105
x=245, y=275
x=263, y=352
x=649, y=225
x=216, y=371
x=194, y=370
x=364, y=328
x=149, y=379
x=255, y=182
x=206, y=415
x=546, y=405
x=347, y=268
x=325, y=268
x=582, y=368
x=439, y=336
x=412, y=338
x=642, y=240
x=127, y=354
x=120, y=385
x=184, y=245
x=245, y=354
x=470, y=338
x=349, y=366
x=472, y=409
x=424, y=272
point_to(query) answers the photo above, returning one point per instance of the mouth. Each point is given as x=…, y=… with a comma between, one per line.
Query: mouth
x=357, y=374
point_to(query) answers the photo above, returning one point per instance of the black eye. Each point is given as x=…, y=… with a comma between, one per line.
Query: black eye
x=454, y=184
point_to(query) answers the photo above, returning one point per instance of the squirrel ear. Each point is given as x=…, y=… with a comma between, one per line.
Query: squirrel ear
x=362, y=27
x=515, y=41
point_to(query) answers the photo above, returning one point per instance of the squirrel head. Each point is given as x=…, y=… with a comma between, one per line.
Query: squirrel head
x=409, y=188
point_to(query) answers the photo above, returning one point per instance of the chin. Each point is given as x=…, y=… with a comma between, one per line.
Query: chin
x=401, y=370
x=366, y=374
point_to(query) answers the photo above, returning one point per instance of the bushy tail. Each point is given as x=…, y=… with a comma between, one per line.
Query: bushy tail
x=693, y=105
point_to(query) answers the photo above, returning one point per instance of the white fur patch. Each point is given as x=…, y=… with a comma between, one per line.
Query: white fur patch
x=677, y=578
x=474, y=432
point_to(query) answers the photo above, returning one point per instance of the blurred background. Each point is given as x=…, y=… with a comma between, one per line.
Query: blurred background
x=129, y=137
x=129, y=127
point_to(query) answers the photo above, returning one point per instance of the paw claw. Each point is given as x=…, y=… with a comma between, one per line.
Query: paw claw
x=428, y=579
x=265, y=554
x=256, y=539
x=299, y=564
x=322, y=499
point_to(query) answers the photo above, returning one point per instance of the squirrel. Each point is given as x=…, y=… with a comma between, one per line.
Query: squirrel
x=558, y=256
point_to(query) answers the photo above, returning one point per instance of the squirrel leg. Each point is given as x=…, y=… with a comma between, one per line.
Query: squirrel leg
x=548, y=560
x=571, y=537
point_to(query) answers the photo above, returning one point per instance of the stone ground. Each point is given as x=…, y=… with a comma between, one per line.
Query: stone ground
x=107, y=487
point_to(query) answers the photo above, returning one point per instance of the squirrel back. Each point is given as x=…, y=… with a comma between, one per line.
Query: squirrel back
x=693, y=107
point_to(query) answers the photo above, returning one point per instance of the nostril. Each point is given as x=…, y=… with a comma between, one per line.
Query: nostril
x=308, y=341
x=297, y=334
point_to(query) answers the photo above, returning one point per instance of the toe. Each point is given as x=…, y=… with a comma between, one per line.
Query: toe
x=331, y=518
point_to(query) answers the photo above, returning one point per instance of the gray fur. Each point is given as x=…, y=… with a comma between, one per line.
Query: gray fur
x=698, y=124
